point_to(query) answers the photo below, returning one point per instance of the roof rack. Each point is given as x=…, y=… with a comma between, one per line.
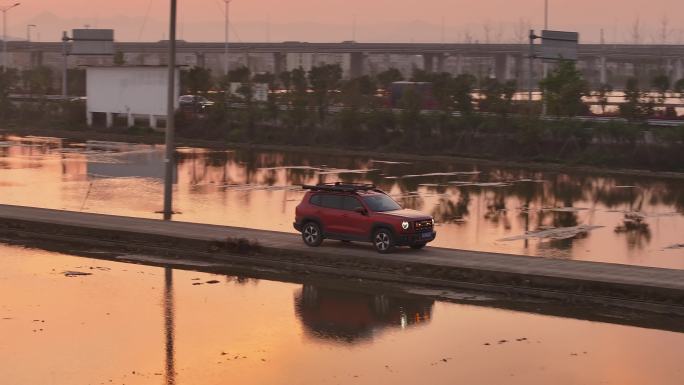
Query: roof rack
x=341, y=187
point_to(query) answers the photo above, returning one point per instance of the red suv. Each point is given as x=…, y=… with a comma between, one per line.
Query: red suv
x=360, y=212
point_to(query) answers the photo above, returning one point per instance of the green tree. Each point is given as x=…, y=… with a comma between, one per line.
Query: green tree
x=119, y=58
x=497, y=97
x=602, y=94
x=196, y=79
x=299, y=97
x=462, y=91
x=8, y=79
x=420, y=75
x=239, y=75
x=661, y=83
x=76, y=79
x=37, y=81
x=678, y=88
x=324, y=79
x=635, y=107
x=285, y=79
x=387, y=77
x=265, y=78
x=563, y=90
x=411, y=104
x=442, y=86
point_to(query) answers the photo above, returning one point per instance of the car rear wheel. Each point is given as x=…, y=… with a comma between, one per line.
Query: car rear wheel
x=418, y=246
x=311, y=234
x=383, y=241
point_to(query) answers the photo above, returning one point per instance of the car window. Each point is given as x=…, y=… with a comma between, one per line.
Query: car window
x=380, y=203
x=315, y=200
x=351, y=203
x=331, y=201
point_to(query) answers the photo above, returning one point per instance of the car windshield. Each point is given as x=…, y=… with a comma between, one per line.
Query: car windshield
x=381, y=203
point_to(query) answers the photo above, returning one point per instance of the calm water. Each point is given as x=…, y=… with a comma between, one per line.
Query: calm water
x=135, y=324
x=631, y=220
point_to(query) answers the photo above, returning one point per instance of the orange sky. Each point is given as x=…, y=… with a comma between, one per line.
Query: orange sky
x=332, y=20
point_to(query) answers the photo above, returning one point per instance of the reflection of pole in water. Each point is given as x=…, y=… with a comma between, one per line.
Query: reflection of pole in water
x=169, y=326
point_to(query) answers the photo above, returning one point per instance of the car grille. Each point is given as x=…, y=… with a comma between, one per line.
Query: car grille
x=423, y=225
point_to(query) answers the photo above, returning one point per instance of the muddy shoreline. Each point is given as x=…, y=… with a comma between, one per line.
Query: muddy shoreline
x=158, y=139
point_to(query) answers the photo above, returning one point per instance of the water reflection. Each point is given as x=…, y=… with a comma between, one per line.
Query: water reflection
x=137, y=324
x=169, y=328
x=353, y=317
x=475, y=206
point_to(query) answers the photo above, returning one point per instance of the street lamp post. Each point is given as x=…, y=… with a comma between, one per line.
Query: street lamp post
x=226, y=37
x=170, y=112
x=4, y=33
x=546, y=14
x=545, y=67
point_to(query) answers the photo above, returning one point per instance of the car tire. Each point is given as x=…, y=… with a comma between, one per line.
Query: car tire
x=312, y=234
x=418, y=246
x=383, y=241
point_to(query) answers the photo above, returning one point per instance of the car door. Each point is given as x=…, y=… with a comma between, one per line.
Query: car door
x=353, y=223
x=331, y=213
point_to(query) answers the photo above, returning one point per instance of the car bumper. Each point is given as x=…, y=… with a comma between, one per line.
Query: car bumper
x=297, y=226
x=416, y=238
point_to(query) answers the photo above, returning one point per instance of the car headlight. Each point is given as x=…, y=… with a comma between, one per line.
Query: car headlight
x=404, y=225
x=433, y=221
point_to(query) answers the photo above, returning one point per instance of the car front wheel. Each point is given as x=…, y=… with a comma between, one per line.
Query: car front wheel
x=383, y=241
x=311, y=234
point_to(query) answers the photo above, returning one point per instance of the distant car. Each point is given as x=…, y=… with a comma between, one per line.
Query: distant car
x=360, y=212
x=195, y=102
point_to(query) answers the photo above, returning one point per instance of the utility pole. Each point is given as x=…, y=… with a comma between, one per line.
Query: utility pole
x=65, y=64
x=4, y=33
x=170, y=112
x=545, y=65
x=530, y=76
x=226, y=38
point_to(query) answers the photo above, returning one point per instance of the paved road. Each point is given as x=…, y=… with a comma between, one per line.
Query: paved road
x=636, y=277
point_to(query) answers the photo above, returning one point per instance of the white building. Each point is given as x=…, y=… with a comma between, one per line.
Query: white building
x=132, y=91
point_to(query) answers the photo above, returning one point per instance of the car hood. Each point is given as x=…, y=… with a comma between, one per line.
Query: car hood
x=408, y=214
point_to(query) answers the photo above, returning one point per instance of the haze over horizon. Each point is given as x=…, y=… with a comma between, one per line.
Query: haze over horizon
x=447, y=21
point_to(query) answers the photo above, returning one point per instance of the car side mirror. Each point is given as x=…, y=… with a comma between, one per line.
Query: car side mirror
x=361, y=210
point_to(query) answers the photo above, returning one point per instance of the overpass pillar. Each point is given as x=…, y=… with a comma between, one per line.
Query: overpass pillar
x=357, y=64
x=603, y=70
x=511, y=67
x=279, y=63
x=501, y=67
x=678, y=70
x=433, y=62
x=459, y=64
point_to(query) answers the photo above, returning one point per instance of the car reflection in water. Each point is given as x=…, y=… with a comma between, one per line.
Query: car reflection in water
x=353, y=317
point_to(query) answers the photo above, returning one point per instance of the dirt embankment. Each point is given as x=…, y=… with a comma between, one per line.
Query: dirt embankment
x=250, y=255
